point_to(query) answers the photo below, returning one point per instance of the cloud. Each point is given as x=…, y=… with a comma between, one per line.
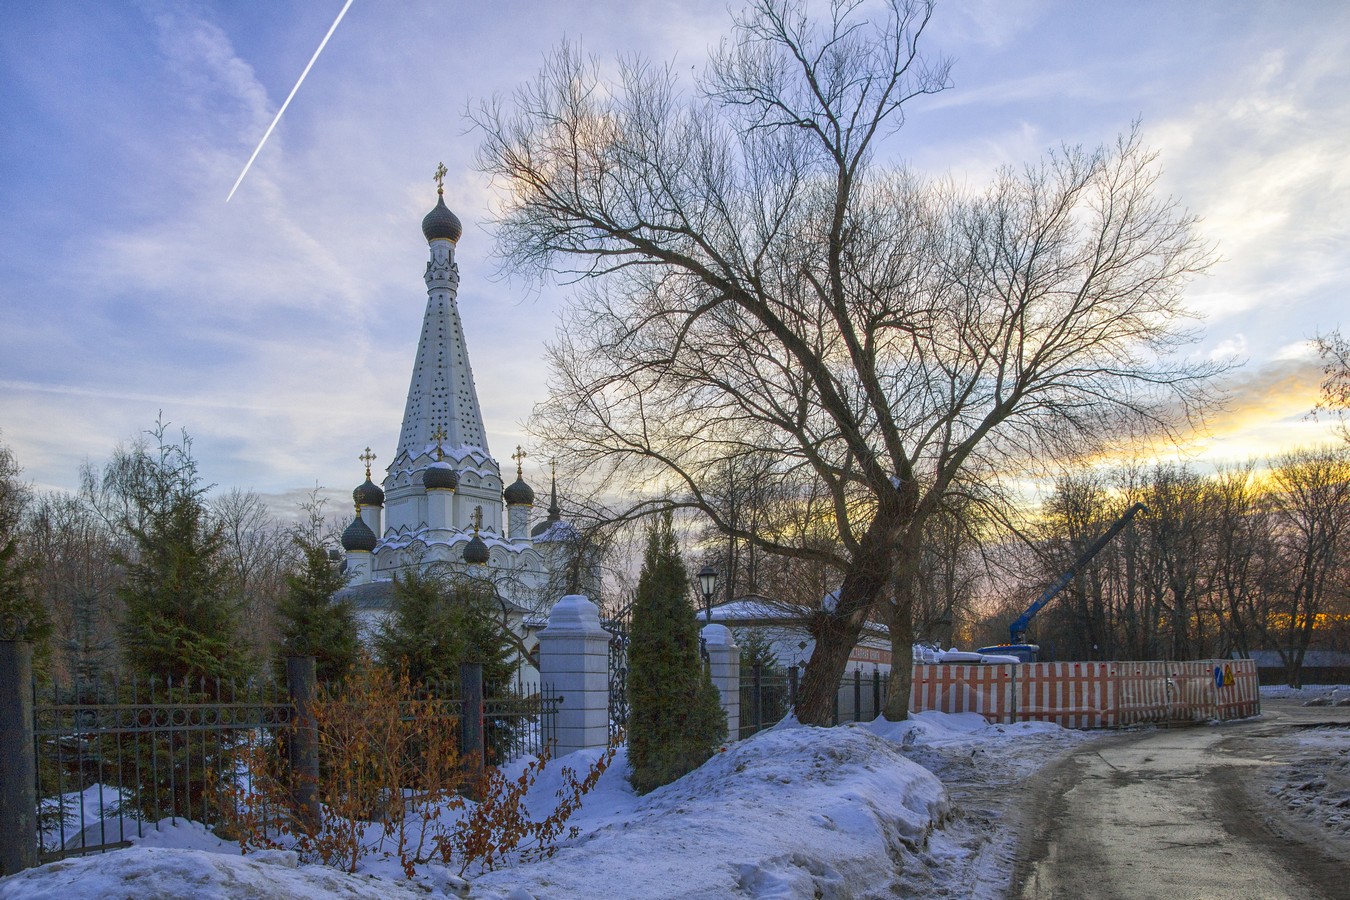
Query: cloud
x=1267, y=411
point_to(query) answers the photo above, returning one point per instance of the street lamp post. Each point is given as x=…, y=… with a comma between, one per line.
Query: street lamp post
x=707, y=583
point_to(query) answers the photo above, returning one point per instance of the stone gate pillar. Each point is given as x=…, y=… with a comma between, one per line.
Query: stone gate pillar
x=724, y=659
x=574, y=661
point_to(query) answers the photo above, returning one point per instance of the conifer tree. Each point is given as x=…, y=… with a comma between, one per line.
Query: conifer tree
x=22, y=615
x=313, y=620
x=437, y=621
x=22, y=618
x=180, y=631
x=181, y=620
x=676, y=720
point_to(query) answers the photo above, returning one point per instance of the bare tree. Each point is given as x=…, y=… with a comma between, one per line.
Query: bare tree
x=1312, y=526
x=15, y=495
x=1178, y=553
x=753, y=280
x=22, y=615
x=951, y=569
x=77, y=582
x=1335, y=352
x=261, y=552
x=1242, y=550
x=1075, y=514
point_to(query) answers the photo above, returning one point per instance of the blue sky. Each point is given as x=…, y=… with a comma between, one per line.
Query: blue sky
x=279, y=328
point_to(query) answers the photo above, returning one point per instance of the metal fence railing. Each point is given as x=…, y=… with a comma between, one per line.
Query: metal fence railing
x=93, y=764
x=768, y=694
x=115, y=755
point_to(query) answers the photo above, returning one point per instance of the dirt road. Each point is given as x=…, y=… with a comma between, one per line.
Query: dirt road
x=1255, y=809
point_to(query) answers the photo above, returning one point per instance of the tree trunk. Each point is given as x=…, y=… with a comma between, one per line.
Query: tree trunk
x=902, y=661
x=901, y=622
x=835, y=637
x=837, y=631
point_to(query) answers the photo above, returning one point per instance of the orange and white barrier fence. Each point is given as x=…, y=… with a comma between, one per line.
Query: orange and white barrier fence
x=1091, y=694
x=987, y=690
x=1072, y=694
x=1238, y=688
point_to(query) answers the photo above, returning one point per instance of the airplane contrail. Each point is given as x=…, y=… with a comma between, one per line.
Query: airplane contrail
x=298, y=82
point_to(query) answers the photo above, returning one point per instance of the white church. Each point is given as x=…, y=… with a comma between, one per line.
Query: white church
x=443, y=502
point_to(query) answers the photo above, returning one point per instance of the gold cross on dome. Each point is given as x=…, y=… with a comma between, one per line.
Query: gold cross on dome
x=439, y=435
x=519, y=457
x=367, y=458
x=477, y=518
x=439, y=178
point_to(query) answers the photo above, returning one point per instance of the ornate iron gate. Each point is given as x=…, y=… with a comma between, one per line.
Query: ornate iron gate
x=618, y=628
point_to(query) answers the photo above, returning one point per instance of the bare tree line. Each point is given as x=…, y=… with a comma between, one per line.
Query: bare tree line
x=1251, y=557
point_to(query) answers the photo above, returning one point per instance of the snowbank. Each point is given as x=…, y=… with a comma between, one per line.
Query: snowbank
x=791, y=812
x=146, y=872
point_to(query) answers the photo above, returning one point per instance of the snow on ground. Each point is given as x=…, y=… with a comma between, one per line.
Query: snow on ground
x=1315, y=782
x=790, y=812
x=1310, y=694
x=857, y=810
x=985, y=769
x=144, y=872
x=1310, y=784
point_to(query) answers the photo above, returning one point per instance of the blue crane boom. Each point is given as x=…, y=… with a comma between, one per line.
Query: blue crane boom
x=1018, y=629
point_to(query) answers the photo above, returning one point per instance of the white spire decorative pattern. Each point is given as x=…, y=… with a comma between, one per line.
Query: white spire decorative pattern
x=441, y=395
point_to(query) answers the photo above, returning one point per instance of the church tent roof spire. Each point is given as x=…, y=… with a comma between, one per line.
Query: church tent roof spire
x=442, y=397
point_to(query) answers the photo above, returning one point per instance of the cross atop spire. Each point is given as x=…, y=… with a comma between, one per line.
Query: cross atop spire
x=439, y=178
x=554, y=510
x=367, y=458
x=519, y=457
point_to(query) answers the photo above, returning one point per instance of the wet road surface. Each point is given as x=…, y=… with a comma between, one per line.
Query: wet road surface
x=1184, y=812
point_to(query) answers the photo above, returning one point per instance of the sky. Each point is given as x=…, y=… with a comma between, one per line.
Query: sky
x=279, y=329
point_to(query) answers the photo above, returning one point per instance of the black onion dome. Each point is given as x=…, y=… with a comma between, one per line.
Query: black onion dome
x=439, y=475
x=358, y=536
x=475, y=551
x=519, y=493
x=369, y=494
x=441, y=223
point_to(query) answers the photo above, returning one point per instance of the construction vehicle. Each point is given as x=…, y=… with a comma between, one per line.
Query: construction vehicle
x=1017, y=631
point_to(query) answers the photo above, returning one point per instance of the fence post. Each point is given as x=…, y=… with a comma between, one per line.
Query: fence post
x=18, y=763
x=857, y=695
x=472, y=746
x=876, y=693
x=792, y=689
x=758, y=697
x=725, y=667
x=574, y=660
x=300, y=682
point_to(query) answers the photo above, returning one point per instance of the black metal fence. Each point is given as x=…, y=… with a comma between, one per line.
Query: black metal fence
x=114, y=756
x=861, y=696
x=90, y=765
x=619, y=628
x=768, y=694
x=1307, y=675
